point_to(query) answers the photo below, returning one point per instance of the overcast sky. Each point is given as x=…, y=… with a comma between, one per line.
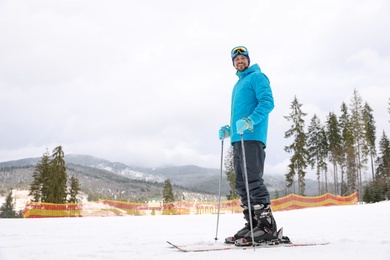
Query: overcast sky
x=148, y=83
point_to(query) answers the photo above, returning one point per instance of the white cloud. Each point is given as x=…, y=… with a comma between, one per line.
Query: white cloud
x=149, y=83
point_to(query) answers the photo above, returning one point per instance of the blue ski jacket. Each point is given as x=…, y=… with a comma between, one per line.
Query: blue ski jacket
x=251, y=98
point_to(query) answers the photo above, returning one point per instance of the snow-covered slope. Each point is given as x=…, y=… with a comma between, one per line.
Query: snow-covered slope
x=354, y=232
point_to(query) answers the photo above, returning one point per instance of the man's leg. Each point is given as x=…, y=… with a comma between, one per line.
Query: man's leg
x=255, y=157
x=266, y=228
x=241, y=191
x=238, y=169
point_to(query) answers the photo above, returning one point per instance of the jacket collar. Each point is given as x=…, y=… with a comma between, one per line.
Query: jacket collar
x=251, y=69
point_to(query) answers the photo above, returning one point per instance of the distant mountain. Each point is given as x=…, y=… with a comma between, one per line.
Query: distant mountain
x=20, y=163
x=100, y=176
x=115, y=167
x=193, y=177
x=94, y=162
x=104, y=179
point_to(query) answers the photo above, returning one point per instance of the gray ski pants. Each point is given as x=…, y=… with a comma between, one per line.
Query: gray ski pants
x=255, y=156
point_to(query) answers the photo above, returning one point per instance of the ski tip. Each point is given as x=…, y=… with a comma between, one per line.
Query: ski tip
x=171, y=244
x=310, y=244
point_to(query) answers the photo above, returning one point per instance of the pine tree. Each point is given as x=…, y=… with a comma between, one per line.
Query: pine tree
x=74, y=189
x=7, y=209
x=373, y=192
x=348, y=155
x=298, y=161
x=379, y=188
x=317, y=146
x=334, y=140
x=57, y=178
x=383, y=160
x=39, y=186
x=370, y=136
x=168, y=196
x=231, y=175
x=382, y=180
x=358, y=135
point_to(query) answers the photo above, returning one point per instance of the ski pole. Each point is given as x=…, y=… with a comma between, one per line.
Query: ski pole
x=247, y=190
x=219, y=193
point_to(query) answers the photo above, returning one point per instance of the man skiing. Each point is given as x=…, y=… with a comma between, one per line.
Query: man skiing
x=251, y=103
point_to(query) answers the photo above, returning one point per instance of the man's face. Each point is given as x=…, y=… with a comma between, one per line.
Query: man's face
x=241, y=62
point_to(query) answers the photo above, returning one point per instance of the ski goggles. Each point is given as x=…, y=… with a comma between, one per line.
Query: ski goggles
x=239, y=50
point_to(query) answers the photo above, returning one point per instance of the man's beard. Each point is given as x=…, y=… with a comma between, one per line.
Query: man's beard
x=245, y=67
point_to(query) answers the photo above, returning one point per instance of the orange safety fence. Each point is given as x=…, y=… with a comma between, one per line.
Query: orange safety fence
x=105, y=208
x=294, y=201
x=51, y=210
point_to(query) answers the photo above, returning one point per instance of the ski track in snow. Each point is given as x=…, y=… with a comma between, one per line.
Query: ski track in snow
x=354, y=232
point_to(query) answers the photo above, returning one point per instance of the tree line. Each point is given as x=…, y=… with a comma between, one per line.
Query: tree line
x=340, y=150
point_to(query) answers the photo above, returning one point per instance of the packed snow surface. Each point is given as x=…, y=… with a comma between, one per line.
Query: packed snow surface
x=354, y=232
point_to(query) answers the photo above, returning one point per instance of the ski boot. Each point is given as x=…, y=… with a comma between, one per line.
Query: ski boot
x=243, y=231
x=265, y=231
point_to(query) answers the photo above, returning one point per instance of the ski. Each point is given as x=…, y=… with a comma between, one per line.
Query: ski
x=243, y=244
x=216, y=247
x=205, y=248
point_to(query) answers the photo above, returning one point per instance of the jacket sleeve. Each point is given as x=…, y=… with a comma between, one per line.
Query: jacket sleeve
x=262, y=89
